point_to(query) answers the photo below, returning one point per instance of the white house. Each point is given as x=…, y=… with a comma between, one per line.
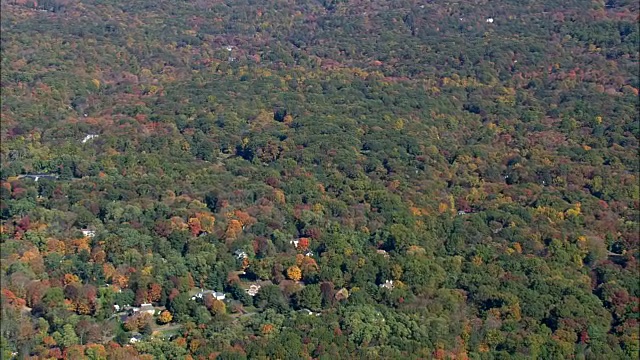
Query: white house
x=216, y=295
x=145, y=308
x=308, y=312
x=135, y=338
x=308, y=253
x=253, y=290
x=388, y=284
x=240, y=254
x=89, y=137
x=490, y=20
x=88, y=233
x=295, y=243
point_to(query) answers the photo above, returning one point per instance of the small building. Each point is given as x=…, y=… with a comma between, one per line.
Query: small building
x=89, y=137
x=88, y=233
x=388, y=284
x=240, y=254
x=116, y=308
x=135, y=338
x=37, y=177
x=383, y=253
x=462, y=212
x=490, y=20
x=308, y=312
x=146, y=308
x=294, y=243
x=216, y=295
x=253, y=290
x=308, y=253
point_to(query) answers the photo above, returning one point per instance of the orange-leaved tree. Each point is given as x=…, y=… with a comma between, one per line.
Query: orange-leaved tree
x=155, y=292
x=233, y=229
x=303, y=243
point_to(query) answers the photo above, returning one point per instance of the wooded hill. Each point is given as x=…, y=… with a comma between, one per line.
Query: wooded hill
x=447, y=180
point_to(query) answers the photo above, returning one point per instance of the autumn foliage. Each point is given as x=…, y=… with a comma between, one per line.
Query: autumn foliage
x=460, y=181
x=294, y=273
x=165, y=317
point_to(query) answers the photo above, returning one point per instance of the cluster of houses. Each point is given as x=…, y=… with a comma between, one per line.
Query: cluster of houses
x=240, y=254
x=131, y=311
x=252, y=291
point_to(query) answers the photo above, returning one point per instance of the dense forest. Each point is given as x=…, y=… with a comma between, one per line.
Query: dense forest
x=319, y=179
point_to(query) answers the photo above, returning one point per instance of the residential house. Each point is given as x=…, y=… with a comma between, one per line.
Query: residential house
x=135, y=338
x=144, y=308
x=240, y=254
x=308, y=312
x=388, y=284
x=253, y=290
x=295, y=243
x=37, y=177
x=89, y=137
x=383, y=253
x=88, y=233
x=216, y=295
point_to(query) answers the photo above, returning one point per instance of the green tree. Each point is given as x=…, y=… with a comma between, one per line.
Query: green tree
x=310, y=297
x=270, y=296
x=67, y=336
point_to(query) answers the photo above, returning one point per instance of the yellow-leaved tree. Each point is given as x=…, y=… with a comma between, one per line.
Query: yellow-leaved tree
x=165, y=317
x=294, y=273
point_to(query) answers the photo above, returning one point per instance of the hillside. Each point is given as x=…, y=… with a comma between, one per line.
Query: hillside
x=432, y=179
